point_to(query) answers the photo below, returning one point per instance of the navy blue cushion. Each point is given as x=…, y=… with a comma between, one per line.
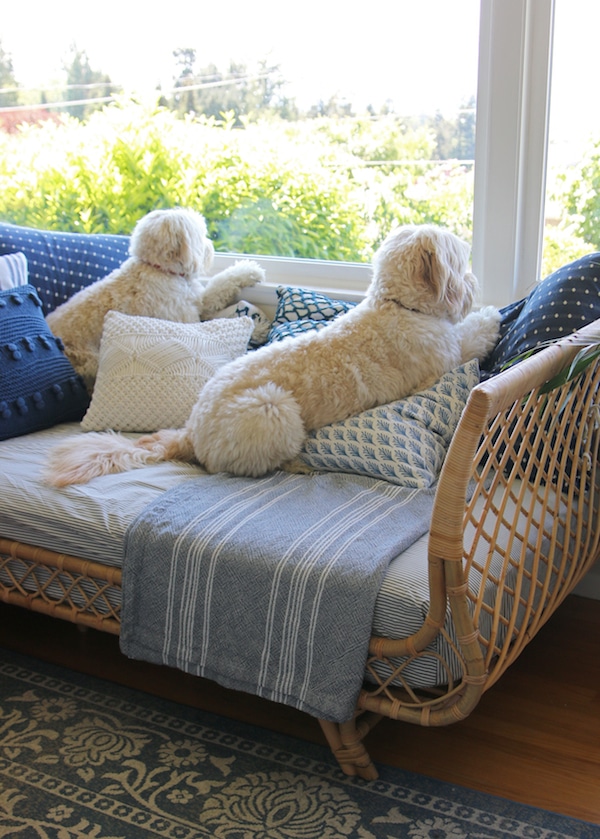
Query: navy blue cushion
x=302, y=310
x=38, y=385
x=62, y=263
x=559, y=305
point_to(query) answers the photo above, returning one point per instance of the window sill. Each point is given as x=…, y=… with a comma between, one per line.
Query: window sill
x=342, y=280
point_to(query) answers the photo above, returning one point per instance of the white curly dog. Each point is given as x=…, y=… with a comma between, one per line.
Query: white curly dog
x=166, y=276
x=414, y=325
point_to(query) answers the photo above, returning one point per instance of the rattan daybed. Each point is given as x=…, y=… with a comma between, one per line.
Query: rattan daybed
x=515, y=526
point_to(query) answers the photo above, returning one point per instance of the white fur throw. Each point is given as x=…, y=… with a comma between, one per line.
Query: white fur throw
x=151, y=370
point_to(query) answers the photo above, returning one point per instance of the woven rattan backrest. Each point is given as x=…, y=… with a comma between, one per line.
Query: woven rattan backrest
x=528, y=461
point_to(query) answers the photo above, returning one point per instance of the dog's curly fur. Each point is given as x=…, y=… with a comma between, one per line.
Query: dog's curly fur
x=414, y=325
x=166, y=276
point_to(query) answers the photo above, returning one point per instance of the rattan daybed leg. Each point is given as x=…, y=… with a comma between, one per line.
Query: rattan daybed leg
x=345, y=741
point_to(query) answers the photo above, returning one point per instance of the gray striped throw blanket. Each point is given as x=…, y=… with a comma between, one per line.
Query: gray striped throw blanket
x=267, y=585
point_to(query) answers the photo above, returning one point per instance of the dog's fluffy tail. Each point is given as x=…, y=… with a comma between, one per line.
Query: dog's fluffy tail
x=79, y=460
x=253, y=433
x=250, y=433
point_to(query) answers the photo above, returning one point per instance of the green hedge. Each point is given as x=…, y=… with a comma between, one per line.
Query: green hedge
x=321, y=188
x=257, y=194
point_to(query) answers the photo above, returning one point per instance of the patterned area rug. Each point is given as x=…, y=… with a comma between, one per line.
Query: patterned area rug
x=81, y=758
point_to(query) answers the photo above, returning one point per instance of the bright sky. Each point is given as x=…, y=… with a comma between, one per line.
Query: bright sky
x=421, y=54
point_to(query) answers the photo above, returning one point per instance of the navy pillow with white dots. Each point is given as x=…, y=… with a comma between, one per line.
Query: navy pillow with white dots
x=559, y=305
x=62, y=263
x=38, y=385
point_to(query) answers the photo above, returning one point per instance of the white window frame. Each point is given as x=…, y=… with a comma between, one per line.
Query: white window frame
x=513, y=104
x=511, y=145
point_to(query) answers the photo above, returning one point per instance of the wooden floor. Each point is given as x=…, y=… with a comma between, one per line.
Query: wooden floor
x=534, y=738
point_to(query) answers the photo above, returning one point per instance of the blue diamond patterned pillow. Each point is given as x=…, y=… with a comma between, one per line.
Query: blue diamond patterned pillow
x=404, y=442
x=302, y=310
x=62, y=263
x=38, y=385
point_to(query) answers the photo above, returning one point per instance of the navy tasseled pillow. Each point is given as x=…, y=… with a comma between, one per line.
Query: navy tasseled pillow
x=38, y=385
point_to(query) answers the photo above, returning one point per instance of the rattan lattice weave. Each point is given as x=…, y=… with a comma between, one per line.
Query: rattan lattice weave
x=533, y=460
x=87, y=593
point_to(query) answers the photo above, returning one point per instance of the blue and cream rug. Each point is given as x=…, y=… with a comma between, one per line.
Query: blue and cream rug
x=82, y=758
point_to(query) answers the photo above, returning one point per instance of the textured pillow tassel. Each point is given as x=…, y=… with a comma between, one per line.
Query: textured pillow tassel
x=38, y=385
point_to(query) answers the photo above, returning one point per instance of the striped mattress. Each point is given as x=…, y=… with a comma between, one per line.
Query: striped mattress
x=90, y=521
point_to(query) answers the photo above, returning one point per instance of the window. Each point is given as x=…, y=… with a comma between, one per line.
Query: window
x=572, y=206
x=415, y=70
x=512, y=120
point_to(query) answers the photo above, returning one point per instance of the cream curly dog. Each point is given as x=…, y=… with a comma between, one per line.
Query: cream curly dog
x=165, y=277
x=252, y=417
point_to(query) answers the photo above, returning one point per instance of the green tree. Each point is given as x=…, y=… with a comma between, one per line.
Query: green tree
x=84, y=83
x=184, y=100
x=239, y=91
x=583, y=196
x=7, y=80
x=333, y=107
x=455, y=138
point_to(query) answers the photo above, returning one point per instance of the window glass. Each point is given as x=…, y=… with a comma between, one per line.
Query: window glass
x=304, y=134
x=573, y=194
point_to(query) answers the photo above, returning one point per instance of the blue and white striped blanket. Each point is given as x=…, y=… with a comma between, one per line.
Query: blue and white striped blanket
x=267, y=585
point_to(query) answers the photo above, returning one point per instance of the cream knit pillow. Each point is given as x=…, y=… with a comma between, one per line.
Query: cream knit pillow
x=150, y=371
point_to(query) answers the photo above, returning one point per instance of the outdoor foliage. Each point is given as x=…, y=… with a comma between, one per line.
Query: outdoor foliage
x=83, y=83
x=583, y=197
x=326, y=188
x=7, y=80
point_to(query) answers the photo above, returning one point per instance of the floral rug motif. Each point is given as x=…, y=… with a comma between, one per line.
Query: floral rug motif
x=81, y=758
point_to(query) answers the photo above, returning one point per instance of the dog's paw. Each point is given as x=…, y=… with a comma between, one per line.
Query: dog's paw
x=490, y=319
x=167, y=444
x=297, y=467
x=479, y=333
x=251, y=271
x=490, y=314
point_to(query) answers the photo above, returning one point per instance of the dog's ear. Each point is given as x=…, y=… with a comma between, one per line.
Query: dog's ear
x=430, y=269
x=189, y=248
x=445, y=260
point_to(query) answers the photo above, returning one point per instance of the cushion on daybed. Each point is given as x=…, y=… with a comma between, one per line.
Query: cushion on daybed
x=562, y=303
x=151, y=371
x=62, y=263
x=91, y=520
x=303, y=310
x=404, y=442
x=38, y=385
x=13, y=270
